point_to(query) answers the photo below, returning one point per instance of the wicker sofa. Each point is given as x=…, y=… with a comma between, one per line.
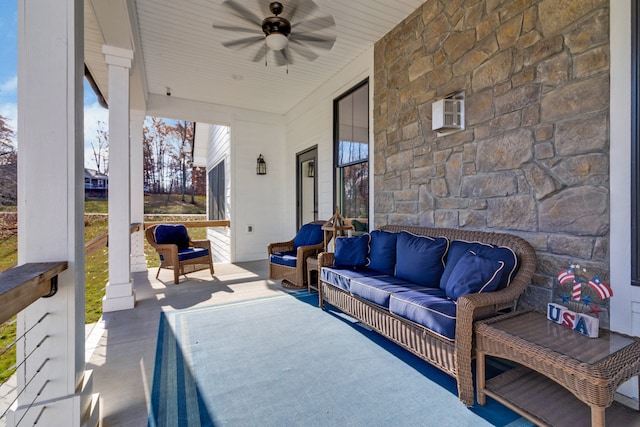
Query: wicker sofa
x=415, y=312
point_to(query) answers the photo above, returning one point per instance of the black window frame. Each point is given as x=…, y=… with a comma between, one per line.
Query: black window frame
x=217, y=192
x=336, y=143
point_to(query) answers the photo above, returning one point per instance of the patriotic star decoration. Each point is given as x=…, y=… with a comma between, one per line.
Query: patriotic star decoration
x=595, y=309
x=570, y=277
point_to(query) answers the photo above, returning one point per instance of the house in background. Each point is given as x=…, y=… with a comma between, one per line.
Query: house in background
x=96, y=184
x=547, y=151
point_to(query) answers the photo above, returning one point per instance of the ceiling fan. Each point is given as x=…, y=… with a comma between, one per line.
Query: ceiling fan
x=279, y=34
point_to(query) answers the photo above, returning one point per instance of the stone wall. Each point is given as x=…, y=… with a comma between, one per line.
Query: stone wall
x=533, y=159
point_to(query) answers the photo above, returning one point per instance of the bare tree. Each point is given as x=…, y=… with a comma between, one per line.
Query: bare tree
x=7, y=148
x=157, y=152
x=100, y=149
x=183, y=132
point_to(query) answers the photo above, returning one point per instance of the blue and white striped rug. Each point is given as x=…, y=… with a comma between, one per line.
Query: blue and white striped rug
x=281, y=361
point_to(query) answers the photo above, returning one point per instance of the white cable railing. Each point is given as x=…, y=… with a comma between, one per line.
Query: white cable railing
x=20, y=287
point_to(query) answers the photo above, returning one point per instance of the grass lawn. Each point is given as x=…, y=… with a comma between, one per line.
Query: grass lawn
x=96, y=264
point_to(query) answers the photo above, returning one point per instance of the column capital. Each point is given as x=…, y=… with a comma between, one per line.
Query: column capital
x=117, y=56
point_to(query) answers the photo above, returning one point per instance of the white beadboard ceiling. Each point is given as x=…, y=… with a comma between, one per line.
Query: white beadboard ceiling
x=176, y=47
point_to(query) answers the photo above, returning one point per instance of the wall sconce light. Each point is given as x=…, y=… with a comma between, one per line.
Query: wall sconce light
x=311, y=169
x=261, y=167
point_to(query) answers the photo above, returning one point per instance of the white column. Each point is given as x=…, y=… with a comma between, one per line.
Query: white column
x=119, y=294
x=51, y=213
x=138, y=261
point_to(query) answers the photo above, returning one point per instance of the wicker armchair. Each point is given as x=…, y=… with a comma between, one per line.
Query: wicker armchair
x=288, y=260
x=177, y=251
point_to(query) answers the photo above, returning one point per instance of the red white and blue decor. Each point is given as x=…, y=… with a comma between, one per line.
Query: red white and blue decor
x=578, y=310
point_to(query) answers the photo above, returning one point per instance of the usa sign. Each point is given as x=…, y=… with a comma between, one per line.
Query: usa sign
x=581, y=323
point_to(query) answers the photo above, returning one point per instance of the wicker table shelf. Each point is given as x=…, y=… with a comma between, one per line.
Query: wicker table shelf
x=561, y=371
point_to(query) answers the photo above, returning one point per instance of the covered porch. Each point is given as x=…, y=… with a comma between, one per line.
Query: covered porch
x=142, y=68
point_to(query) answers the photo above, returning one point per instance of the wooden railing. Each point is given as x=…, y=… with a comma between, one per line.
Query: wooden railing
x=188, y=224
x=102, y=240
x=23, y=285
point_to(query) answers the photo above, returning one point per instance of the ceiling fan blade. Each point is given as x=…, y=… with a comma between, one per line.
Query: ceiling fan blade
x=303, y=51
x=232, y=28
x=281, y=57
x=298, y=13
x=316, y=23
x=262, y=52
x=241, y=43
x=322, y=42
x=243, y=12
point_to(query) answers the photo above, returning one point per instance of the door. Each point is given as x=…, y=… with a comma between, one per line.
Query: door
x=307, y=186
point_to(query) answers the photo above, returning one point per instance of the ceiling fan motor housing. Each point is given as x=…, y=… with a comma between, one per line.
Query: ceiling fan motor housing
x=276, y=24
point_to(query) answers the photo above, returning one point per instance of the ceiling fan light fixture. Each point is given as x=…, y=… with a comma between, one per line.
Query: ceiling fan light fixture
x=277, y=41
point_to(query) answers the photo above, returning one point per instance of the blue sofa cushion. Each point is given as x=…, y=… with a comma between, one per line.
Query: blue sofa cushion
x=309, y=234
x=192, y=253
x=378, y=289
x=458, y=248
x=169, y=234
x=420, y=259
x=430, y=308
x=341, y=276
x=352, y=251
x=382, y=251
x=474, y=274
x=287, y=258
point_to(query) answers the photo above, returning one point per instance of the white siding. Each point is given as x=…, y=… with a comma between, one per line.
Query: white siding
x=625, y=305
x=220, y=150
x=311, y=123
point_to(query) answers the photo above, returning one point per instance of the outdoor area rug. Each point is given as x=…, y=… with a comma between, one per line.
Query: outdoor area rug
x=281, y=361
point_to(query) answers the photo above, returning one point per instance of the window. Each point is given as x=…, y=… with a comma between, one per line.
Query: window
x=217, y=192
x=351, y=148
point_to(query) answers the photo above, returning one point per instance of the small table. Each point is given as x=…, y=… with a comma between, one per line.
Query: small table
x=312, y=266
x=559, y=370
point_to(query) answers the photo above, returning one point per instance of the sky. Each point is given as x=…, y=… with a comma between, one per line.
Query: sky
x=93, y=112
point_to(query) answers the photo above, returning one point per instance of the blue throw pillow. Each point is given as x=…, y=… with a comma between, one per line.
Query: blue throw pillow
x=474, y=274
x=459, y=248
x=172, y=235
x=352, y=251
x=420, y=259
x=309, y=234
x=382, y=251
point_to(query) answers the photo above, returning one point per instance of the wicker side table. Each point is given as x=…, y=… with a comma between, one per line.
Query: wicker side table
x=559, y=370
x=312, y=268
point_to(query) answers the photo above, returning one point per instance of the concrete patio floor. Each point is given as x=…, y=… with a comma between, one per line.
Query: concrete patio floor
x=121, y=347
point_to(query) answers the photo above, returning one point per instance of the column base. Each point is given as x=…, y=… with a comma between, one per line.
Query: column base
x=138, y=259
x=117, y=304
x=118, y=297
x=138, y=264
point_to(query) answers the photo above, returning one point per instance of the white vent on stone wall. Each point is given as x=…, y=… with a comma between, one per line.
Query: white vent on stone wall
x=447, y=115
